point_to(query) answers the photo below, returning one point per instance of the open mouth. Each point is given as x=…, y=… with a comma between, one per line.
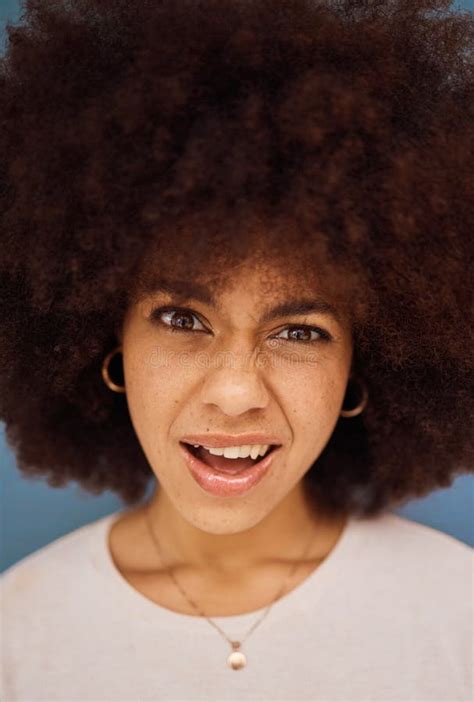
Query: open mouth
x=227, y=477
x=227, y=465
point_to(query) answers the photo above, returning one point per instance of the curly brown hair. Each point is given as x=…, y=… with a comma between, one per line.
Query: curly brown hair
x=134, y=134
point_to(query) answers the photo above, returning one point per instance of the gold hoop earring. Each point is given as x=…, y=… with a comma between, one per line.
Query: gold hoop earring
x=360, y=407
x=105, y=372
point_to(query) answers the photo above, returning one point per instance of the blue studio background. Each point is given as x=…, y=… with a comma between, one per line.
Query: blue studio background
x=58, y=511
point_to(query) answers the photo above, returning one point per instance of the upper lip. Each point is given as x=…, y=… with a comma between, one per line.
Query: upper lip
x=222, y=440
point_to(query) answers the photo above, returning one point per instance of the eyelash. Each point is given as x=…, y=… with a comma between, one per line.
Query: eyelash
x=158, y=311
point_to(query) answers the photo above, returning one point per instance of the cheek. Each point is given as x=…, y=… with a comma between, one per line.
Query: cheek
x=311, y=401
x=156, y=383
x=313, y=392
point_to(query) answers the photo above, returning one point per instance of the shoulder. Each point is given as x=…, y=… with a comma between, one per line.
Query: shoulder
x=415, y=563
x=53, y=570
x=412, y=539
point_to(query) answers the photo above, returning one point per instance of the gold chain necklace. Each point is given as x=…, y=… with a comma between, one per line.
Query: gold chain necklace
x=237, y=658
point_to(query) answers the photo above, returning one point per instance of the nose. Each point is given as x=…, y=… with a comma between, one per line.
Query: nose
x=235, y=390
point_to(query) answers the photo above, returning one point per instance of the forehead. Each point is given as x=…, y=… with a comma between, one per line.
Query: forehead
x=245, y=279
x=265, y=293
x=244, y=267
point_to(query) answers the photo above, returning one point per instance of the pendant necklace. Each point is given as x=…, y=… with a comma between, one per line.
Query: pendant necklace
x=236, y=659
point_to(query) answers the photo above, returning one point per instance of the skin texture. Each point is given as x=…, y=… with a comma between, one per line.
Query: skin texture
x=216, y=593
x=294, y=389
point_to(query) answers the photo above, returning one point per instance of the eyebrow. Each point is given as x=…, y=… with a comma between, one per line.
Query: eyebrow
x=186, y=291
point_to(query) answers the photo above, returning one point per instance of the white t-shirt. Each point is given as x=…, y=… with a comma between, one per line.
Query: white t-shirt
x=386, y=616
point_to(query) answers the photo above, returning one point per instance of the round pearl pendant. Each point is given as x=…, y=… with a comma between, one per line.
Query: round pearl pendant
x=237, y=659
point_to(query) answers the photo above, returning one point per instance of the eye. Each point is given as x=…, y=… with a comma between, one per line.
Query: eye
x=180, y=319
x=307, y=331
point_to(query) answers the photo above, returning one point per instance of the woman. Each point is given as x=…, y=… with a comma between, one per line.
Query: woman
x=235, y=244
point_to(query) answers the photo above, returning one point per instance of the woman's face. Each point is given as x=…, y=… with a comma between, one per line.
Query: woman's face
x=230, y=367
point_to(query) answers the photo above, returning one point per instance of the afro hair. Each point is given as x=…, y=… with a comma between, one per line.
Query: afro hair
x=134, y=134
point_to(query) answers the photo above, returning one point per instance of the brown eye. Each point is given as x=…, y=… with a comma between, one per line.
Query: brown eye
x=182, y=320
x=303, y=333
x=178, y=320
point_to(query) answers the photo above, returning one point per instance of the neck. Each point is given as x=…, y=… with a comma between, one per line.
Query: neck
x=282, y=536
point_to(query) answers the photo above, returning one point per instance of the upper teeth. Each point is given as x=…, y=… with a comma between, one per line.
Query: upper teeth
x=238, y=451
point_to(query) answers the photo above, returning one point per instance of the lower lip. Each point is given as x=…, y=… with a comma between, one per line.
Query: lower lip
x=223, y=484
